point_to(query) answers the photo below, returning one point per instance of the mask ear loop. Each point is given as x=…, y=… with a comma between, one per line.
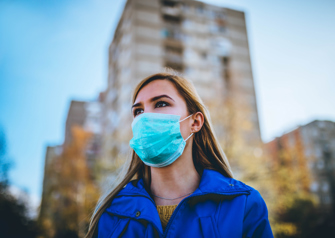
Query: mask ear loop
x=186, y=118
x=188, y=137
x=192, y=132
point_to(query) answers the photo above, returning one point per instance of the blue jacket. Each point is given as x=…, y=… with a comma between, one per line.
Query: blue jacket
x=219, y=207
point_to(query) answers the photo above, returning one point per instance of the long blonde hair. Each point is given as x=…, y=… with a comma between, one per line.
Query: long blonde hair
x=206, y=151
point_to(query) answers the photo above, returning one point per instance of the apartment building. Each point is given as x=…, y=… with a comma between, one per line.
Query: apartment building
x=310, y=151
x=208, y=44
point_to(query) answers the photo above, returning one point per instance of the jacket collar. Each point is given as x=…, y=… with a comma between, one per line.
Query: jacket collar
x=134, y=198
x=211, y=182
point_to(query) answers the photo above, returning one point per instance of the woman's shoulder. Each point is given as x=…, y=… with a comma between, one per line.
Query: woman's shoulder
x=132, y=190
x=214, y=181
x=254, y=197
x=256, y=218
x=255, y=211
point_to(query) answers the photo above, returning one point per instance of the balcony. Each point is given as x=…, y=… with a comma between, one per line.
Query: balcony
x=173, y=57
x=171, y=11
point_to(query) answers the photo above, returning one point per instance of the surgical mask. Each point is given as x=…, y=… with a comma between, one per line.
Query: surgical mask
x=157, y=139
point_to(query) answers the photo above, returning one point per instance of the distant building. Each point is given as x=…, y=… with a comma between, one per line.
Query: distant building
x=207, y=43
x=49, y=181
x=75, y=116
x=52, y=152
x=86, y=115
x=311, y=150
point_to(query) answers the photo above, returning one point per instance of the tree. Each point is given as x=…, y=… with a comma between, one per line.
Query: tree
x=72, y=194
x=14, y=221
x=295, y=211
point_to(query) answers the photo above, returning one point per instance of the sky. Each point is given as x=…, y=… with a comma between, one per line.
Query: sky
x=52, y=52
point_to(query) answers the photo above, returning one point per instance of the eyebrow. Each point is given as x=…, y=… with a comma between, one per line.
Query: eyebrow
x=154, y=99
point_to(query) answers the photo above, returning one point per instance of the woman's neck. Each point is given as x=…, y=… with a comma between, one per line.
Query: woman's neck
x=176, y=180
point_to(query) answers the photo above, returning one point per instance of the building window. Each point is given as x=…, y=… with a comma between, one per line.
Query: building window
x=316, y=132
x=169, y=3
x=321, y=124
x=200, y=9
x=318, y=152
x=291, y=139
x=173, y=54
x=314, y=187
x=189, y=71
x=221, y=45
x=325, y=186
x=325, y=199
x=203, y=55
x=171, y=33
x=320, y=164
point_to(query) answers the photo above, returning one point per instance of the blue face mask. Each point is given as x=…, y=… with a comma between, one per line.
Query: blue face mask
x=157, y=139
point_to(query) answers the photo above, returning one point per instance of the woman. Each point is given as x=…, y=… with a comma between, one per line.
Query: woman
x=178, y=182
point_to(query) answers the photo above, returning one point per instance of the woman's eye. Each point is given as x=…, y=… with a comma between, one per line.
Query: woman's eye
x=138, y=111
x=161, y=104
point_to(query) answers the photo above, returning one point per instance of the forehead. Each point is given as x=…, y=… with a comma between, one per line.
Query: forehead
x=156, y=88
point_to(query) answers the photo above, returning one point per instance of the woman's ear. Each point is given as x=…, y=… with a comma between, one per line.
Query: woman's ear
x=198, y=121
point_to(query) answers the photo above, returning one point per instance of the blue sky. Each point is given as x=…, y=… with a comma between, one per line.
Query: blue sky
x=55, y=51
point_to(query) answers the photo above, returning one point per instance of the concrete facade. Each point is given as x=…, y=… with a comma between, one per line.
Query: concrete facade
x=206, y=43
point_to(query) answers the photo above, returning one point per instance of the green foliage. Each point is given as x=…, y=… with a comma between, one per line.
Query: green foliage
x=5, y=163
x=302, y=214
x=14, y=221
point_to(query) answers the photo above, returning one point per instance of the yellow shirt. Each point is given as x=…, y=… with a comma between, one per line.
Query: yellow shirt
x=165, y=212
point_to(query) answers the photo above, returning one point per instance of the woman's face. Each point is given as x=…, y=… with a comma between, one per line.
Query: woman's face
x=161, y=96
